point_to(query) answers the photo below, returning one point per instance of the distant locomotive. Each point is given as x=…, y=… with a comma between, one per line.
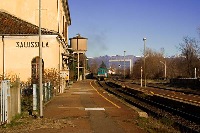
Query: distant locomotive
x=102, y=73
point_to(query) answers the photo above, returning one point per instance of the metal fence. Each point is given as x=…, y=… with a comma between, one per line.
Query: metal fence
x=19, y=97
x=10, y=100
x=48, y=93
x=31, y=96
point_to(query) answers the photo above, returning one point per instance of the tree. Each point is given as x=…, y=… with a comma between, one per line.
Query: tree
x=154, y=69
x=175, y=65
x=94, y=66
x=137, y=69
x=190, y=52
x=52, y=75
x=103, y=65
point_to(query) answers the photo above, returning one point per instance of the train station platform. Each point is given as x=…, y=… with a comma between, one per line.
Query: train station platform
x=86, y=108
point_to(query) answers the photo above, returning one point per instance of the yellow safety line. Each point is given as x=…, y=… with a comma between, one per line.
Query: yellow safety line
x=104, y=97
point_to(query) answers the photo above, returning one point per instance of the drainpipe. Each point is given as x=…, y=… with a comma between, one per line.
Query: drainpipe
x=3, y=58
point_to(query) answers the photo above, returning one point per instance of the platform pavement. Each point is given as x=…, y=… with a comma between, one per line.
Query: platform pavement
x=84, y=108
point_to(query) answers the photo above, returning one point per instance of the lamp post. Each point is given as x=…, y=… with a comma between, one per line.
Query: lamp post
x=164, y=63
x=124, y=64
x=145, y=83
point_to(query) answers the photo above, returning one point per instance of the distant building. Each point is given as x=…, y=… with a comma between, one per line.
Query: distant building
x=19, y=45
x=115, y=63
x=111, y=71
x=119, y=63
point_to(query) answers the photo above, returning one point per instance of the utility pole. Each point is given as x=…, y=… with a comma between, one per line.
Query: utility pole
x=145, y=82
x=40, y=64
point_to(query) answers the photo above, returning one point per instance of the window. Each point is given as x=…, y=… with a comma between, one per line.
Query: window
x=35, y=70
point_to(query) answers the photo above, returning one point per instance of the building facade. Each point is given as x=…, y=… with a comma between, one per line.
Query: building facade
x=55, y=14
x=19, y=45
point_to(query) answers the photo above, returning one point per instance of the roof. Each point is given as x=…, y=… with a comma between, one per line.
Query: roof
x=67, y=11
x=11, y=25
x=78, y=36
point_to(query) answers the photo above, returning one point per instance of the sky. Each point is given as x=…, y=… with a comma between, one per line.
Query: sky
x=115, y=26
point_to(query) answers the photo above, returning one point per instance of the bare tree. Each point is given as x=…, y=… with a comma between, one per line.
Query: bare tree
x=190, y=51
x=137, y=69
x=94, y=66
x=154, y=69
x=175, y=67
x=52, y=75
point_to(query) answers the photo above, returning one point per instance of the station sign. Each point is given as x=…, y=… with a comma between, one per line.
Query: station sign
x=31, y=44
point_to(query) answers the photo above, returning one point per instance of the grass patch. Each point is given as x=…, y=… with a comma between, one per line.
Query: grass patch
x=17, y=120
x=166, y=121
x=152, y=125
x=142, y=95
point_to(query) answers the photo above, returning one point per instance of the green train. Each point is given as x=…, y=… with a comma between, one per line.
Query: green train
x=102, y=72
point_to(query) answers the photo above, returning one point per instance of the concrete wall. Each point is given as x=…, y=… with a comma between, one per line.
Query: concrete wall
x=15, y=100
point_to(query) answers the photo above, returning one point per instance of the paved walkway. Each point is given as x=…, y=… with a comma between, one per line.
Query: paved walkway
x=84, y=108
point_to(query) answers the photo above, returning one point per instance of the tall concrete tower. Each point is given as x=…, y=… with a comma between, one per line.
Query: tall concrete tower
x=78, y=45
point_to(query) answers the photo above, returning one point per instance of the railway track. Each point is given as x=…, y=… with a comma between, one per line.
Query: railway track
x=184, y=115
x=175, y=93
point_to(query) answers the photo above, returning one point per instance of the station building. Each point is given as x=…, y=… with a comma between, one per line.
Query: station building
x=19, y=34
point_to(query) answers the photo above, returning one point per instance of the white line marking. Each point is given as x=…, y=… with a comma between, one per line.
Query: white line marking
x=98, y=109
x=104, y=96
x=78, y=93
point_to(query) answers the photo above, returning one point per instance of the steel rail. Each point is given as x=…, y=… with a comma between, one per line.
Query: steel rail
x=153, y=109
